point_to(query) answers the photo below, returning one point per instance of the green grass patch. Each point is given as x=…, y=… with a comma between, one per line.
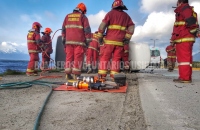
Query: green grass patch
x=12, y=72
x=196, y=64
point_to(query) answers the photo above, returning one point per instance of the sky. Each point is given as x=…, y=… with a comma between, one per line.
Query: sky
x=153, y=20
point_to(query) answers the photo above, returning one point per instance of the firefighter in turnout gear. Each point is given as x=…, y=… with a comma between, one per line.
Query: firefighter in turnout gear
x=76, y=34
x=47, y=49
x=171, y=57
x=34, y=48
x=93, y=54
x=183, y=35
x=119, y=30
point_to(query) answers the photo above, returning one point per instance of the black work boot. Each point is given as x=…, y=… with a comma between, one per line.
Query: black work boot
x=75, y=76
x=94, y=71
x=89, y=69
x=68, y=76
x=181, y=81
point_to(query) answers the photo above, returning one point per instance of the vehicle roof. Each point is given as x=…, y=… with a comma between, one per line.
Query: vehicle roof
x=154, y=48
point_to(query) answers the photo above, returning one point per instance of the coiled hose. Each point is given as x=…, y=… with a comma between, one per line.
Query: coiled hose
x=19, y=85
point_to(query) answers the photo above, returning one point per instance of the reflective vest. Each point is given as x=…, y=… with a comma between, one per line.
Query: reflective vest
x=118, y=23
x=76, y=29
x=186, y=24
x=32, y=40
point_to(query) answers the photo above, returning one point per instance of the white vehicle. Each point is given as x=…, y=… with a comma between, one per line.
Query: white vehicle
x=139, y=56
x=155, y=57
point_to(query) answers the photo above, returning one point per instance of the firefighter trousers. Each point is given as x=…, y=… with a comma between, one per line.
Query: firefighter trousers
x=74, y=59
x=33, y=63
x=92, y=58
x=45, y=60
x=184, y=59
x=110, y=52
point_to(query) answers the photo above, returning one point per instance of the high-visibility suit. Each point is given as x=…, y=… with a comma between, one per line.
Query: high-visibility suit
x=125, y=57
x=33, y=43
x=119, y=27
x=47, y=50
x=76, y=30
x=171, y=57
x=93, y=53
x=185, y=25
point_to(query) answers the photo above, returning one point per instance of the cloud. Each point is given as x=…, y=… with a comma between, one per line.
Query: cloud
x=25, y=18
x=7, y=48
x=156, y=5
x=30, y=18
x=10, y=47
x=49, y=15
x=149, y=6
x=157, y=25
x=96, y=19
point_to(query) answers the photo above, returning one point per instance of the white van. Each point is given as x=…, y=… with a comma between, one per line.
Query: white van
x=155, y=57
x=139, y=56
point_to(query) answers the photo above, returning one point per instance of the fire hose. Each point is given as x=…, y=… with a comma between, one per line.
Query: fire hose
x=20, y=85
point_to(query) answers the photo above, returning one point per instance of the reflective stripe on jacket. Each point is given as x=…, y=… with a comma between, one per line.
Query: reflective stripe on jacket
x=76, y=28
x=117, y=23
x=32, y=41
x=184, y=25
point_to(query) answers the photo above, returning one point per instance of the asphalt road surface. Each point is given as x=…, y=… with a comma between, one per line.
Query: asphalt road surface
x=168, y=105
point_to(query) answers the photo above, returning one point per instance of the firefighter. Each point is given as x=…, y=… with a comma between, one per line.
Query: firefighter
x=183, y=35
x=47, y=49
x=76, y=34
x=93, y=54
x=125, y=58
x=171, y=57
x=120, y=29
x=34, y=48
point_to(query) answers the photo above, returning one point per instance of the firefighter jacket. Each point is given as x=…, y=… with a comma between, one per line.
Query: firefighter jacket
x=171, y=51
x=46, y=39
x=119, y=27
x=33, y=41
x=185, y=25
x=76, y=29
x=94, y=44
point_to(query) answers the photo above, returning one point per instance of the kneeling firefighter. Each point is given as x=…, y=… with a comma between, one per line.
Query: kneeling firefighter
x=76, y=34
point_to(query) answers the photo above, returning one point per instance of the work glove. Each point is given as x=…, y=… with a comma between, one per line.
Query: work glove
x=126, y=41
x=63, y=41
x=100, y=38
